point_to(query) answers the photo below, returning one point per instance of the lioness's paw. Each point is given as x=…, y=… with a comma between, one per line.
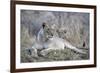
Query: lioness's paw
x=44, y=52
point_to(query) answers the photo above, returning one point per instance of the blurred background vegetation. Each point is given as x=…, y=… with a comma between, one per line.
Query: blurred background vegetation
x=72, y=26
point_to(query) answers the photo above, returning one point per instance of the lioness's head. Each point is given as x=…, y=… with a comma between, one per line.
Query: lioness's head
x=48, y=31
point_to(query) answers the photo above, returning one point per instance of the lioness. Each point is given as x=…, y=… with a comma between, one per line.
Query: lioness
x=52, y=41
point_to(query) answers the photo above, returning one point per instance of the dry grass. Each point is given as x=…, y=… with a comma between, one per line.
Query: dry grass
x=72, y=27
x=54, y=55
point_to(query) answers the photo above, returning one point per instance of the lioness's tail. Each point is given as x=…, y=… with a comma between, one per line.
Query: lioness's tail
x=68, y=45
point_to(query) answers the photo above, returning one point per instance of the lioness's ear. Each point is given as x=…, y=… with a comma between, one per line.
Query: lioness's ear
x=43, y=25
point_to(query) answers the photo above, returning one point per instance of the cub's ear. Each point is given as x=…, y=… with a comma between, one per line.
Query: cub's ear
x=43, y=25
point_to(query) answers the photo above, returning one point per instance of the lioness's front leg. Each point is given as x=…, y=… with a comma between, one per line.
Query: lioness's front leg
x=45, y=52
